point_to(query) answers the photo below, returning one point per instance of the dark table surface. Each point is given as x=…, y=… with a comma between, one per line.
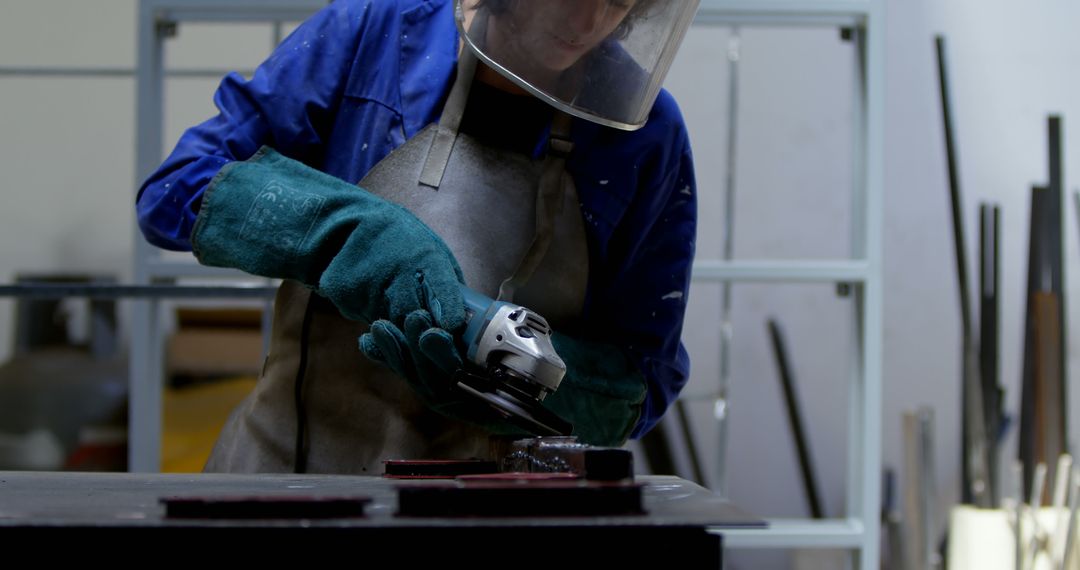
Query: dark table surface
x=72, y=516
x=134, y=500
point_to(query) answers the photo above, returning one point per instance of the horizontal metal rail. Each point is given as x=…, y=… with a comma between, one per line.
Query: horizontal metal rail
x=110, y=72
x=110, y=291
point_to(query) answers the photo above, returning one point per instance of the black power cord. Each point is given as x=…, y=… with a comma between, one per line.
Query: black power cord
x=300, y=452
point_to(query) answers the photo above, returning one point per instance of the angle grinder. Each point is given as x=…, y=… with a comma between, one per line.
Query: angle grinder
x=512, y=363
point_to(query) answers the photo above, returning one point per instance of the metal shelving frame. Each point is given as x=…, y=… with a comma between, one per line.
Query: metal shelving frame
x=157, y=21
x=859, y=529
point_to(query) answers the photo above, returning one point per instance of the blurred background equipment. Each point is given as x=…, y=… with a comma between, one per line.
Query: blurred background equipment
x=63, y=393
x=1044, y=396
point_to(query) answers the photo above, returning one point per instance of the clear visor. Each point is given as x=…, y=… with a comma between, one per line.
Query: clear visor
x=601, y=60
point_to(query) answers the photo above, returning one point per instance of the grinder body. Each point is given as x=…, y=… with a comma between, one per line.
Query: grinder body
x=512, y=364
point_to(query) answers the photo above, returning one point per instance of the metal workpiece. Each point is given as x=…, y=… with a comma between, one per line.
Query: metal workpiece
x=567, y=455
x=436, y=468
x=509, y=458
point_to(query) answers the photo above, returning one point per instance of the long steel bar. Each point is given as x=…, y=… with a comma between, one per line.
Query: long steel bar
x=795, y=419
x=990, y=280
x=1076, y=204
x=914, y=482
x=929, y=495
x=1070, y=534
x=1056, y=210
x=689, y=442
x=1027, y=446
x=976, y=467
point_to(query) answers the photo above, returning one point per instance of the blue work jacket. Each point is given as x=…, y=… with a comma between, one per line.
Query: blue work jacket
x=360, y=77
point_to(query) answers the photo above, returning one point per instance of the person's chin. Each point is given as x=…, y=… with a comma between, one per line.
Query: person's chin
x=560, y=62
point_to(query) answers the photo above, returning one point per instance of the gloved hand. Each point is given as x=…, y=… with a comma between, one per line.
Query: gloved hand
x=276, y=217
x=425, y=355
x=601, y=393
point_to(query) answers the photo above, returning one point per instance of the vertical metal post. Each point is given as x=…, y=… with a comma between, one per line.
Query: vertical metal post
x=857, y=384
x=145, y=374
x=865, y=486
x=721, y=407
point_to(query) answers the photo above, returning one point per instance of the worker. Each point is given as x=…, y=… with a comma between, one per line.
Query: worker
x=389, y=151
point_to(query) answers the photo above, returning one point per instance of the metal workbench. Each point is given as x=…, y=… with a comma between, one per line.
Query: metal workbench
x=682, y=524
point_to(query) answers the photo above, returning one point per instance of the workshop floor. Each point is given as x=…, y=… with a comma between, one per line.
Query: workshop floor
x=193, y=418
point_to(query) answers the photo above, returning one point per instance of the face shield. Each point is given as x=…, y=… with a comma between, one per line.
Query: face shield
x=601, y=60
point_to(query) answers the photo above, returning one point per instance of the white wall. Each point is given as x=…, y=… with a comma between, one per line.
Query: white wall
x=1011, y=65
x=66, y=153
x=66, y=165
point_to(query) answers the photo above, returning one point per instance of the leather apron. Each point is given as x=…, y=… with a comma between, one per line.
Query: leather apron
x=488, y=206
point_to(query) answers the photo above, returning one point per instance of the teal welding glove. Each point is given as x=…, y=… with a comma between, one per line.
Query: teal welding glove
x=602, y=391
x=276, y=217
x=426, y=356
x=423, y=354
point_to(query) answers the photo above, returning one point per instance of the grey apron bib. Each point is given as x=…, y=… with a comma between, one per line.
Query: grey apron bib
x=486, y=206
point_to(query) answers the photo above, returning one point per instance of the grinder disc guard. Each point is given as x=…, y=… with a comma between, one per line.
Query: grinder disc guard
x=518, y=407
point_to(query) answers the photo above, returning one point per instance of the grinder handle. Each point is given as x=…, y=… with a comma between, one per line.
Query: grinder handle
x=478, y=311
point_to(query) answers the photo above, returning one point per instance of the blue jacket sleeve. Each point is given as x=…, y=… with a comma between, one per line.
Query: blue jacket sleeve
x=288, y=104
x=644, y=219
x=655, y=287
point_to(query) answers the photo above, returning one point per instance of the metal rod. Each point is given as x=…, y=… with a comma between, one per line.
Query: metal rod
x=720, y=406
x=989, y=308
x=1049, y=435
x=1060, y=505
x=1027, y=447
x=891, y=520
x=1016, y=498
x=1035, y=501
x=954, y=190
x=657, y=450
x=688, y=441
x=1055, y=224
x=108, y=291
x=929, y=488
x=1061, y=480
x=915, y=532
x=278, y=33
x=794, y=411
x=1076, y=203
x=1074, y=503
x=975, y=446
